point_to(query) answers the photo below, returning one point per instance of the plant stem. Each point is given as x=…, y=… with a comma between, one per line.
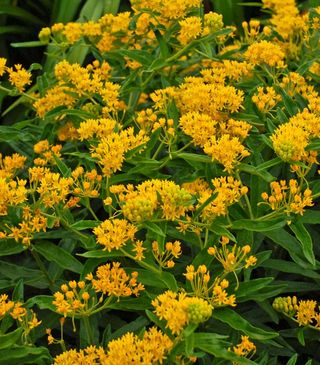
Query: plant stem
x=141, y=263
x=41, y=265
x=86, y=324
x=157, y=151
x=245, y=197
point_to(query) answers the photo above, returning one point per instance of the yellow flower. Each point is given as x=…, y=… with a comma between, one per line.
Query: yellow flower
x=179, y=310
x=306, y=312
x=190, y=29
x=20, y=77
x=289, y=142
x=113, y=234
x=265, y=52
x=3, y=62
x=226, y=150
x=115, y=281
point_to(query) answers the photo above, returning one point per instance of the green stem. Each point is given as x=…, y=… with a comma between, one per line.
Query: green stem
x=86, y=324
x=22, y=93
x=141, y=263
x=88, y=206
x=206, y=238
x=270, y=215
x=41, y=265
x=157, y=151
x=108, y=195
x=245, y=197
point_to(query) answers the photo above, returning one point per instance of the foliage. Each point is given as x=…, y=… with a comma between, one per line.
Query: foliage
x=159, y=189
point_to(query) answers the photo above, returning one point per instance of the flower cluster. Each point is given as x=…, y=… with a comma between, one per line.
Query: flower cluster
x=77, y=298
x=304, y=312
x=215, y=293
x=179, y=310
x=289, y=198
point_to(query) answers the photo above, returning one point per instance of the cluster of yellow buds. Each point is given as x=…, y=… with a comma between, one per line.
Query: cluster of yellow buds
x=146, y=119
x=73, y=298
x=266, y=98
x=87, y=184
x=167, y=126
x=165, y=258
x=141, y=202
x=251, y=30
x=304, y=312
x=46, y=152
x=290, y=198
x=215, y=293
x=179, y=310
x=232, y=257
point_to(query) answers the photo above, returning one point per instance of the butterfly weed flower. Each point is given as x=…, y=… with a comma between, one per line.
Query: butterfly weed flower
x=190, y=29
x=178, y=310
x=10, y=165
x=3, y=62
x=231, y=256
x=303, y=312
x=77, y=299
x=289, y=198
x=152, y=348
x=266, y=98
x=172, y=250
x=114, y=233
x=265, y=53
x=245, y=348
x=212, y=291
x=19, y=77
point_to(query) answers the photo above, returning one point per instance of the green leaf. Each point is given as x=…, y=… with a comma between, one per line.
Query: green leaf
x=169, y=280
x=154, y=228
x=266, y=165
x=82, y=225
x=20, y=355
x=14, y=29
x=290, y=267
x=300, y=336
x=289, y=243
x=61, y=257
x=237, y=322
x=293, y=360
x=258, y=225
x=9, y=339
x=30, y=44
x=251, y=288
x=310, y=217
x=140, y=56
x=64, y=169
x=17, y=12
x=215, y=344
x=131, y=304
x=64, y=11
x=204, y=204
x=101, y=253
x=42, y=301
x=10, y=247
x=133, y=326
x=194, y=157
x=252, y=170
x=305, y=239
